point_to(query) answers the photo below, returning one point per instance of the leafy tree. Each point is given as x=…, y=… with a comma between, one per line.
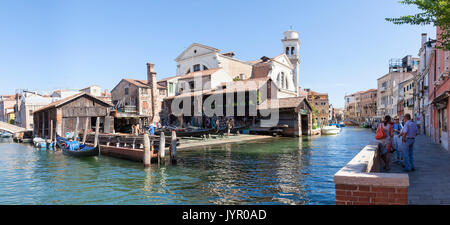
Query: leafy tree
x=436, y=12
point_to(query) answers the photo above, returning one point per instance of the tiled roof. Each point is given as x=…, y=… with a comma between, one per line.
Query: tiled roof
x=283, y=103
x=139, y=83
x=70, y=98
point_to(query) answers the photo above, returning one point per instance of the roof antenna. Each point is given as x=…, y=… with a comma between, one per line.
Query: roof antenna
x=291, y=27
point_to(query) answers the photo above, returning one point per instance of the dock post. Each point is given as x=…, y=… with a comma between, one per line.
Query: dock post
x=51, y=132
x=162, y=148
x=146, y=158
x=173, y=148
x=76, y=129
x=86, y=124
x=97, y=129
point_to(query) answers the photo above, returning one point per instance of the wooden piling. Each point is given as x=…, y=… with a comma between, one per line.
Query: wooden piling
x=86, y=124
x=162, y=146
x=146, y=158
x=76, y=128
x=173, y=148
x=51, y=132
x=97, y=129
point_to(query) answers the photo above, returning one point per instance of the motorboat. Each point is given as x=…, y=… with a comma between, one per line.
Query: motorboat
x=5, y=135
x=331, y=130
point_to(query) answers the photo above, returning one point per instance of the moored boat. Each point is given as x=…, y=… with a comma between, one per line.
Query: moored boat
x=331, y=130
x=74, y=148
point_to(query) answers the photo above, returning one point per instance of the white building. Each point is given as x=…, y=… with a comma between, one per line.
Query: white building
x=422, y=111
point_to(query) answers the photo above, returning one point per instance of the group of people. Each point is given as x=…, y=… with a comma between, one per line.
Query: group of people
x=398, y=138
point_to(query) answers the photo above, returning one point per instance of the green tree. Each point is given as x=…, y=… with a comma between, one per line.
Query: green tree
x=436, y=12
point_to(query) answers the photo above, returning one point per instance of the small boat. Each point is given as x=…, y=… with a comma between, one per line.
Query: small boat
x=5, y=135
x=74, y=148
x=331, y=130
x=342, y=124
x=39, y=142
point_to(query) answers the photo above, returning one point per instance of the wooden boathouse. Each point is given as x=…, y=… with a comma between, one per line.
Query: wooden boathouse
x=295, y=115
x=73, y=114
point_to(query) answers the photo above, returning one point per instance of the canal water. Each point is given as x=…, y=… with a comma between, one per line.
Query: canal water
x=281, y=171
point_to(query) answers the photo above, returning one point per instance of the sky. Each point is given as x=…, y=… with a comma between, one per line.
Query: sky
x=345, y=45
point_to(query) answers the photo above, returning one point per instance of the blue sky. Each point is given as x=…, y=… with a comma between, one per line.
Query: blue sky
x=345, y=45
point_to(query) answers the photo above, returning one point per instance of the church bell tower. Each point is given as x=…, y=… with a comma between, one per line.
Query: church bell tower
x=291, y=45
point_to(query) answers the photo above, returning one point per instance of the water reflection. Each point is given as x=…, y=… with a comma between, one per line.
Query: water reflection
x=281, y=171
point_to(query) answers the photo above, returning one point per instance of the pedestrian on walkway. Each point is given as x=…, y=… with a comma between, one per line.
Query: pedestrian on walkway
x=397, y=140
x=409, y=133
x=385, y=142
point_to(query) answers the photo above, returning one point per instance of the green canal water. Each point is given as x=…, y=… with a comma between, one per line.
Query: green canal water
x=281, y=171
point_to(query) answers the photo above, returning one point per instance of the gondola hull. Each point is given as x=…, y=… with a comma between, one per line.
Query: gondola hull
x=86, y=151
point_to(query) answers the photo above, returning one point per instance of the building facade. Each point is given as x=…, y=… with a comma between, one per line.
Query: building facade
x=320, y=105
x=388, y=89
x=439, y=94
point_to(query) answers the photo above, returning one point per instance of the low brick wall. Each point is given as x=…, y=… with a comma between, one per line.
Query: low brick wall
x=360, y=183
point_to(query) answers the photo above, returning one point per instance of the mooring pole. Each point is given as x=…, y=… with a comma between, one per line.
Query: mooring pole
x=76, y=129
x=97, y=129
x=173, y=148
x=146, y=158
x=162, y=147
x=51, y=131
x=86, y=125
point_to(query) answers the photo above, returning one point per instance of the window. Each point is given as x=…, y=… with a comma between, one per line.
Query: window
x=292, y=51
x=287, y=50
x=196, y=67
x=126, y=90
x=170, y=87
x=205, y=68
x=31, y=112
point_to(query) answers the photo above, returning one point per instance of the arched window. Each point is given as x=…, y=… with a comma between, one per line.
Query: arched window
x=287, y=83
x=287, y=50
x=283, y=79
x=279, y=79
x=292, y=51
x=196, y=67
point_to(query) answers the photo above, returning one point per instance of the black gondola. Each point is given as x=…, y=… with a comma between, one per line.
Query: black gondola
x=82, y=151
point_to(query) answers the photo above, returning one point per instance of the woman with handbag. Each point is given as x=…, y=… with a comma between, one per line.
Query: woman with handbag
x=384, y=136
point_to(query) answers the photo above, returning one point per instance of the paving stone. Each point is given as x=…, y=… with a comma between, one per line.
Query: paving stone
x=429, y=184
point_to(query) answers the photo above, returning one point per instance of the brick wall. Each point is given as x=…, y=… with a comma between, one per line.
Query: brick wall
x=359, y=183
x=370, y=195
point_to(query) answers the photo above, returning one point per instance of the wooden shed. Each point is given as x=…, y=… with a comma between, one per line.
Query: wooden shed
x=295, y=114
x=71, y=114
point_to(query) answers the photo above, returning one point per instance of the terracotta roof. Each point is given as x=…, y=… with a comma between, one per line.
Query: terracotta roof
x=139, y=83
x=282, y=103
x=200, y=73
x=317, y=93
x=168, y=78
x=189, y=94
x=70, y=98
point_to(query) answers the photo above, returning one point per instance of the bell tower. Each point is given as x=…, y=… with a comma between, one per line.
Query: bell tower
x=291, y=45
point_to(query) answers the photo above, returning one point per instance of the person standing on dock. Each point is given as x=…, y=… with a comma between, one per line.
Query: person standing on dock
x=409, y=133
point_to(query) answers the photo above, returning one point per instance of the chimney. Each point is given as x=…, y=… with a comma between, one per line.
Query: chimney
x=424, y=38
x=229, y=54
x=152, y=83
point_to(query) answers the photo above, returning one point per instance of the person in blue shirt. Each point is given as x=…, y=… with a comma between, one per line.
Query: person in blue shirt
x=409, y=133
x=151, y=129
x=397, y=141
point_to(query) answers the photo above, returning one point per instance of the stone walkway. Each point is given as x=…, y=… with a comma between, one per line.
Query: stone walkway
x=430, y=183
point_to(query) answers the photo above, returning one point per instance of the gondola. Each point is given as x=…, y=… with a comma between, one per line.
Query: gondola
x=80, y=150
